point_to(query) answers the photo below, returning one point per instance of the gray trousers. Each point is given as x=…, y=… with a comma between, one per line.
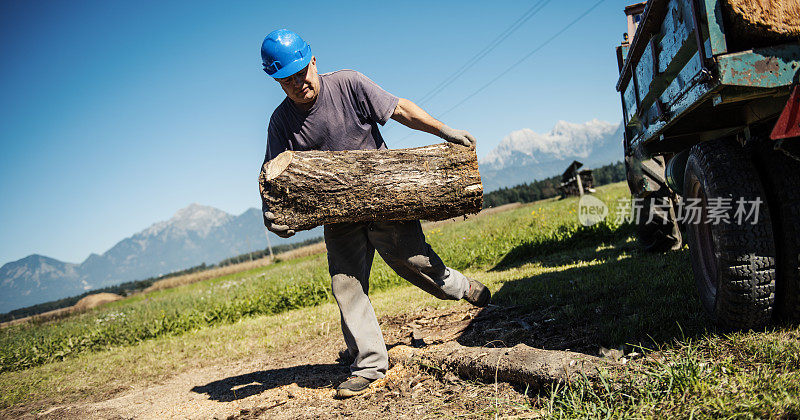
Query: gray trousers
x=351, y=248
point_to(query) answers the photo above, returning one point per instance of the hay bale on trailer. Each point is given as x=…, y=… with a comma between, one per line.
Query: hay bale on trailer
x=753, y=23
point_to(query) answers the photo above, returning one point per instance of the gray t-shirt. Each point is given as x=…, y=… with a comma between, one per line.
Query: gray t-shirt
x=345, y=116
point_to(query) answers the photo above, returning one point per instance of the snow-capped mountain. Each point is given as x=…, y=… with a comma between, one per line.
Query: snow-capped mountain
x=194, y=235
x=524, y=155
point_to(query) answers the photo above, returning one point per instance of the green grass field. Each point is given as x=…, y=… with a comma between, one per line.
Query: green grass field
x=592, y=282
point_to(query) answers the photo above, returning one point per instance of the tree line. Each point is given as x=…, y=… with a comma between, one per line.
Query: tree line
x=548, y=187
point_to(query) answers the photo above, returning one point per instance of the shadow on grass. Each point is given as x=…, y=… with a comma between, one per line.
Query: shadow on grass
x=565, y=238
x=613, y=298
x=243, y=386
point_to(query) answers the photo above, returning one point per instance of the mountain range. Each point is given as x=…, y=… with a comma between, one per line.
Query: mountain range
x=201, y=234
x=194, y=235
x=524, y=155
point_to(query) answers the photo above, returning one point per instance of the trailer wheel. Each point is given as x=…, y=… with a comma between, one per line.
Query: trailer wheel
x=733, y=264
x=661, y=234
x=657, y=231
x=782, y=185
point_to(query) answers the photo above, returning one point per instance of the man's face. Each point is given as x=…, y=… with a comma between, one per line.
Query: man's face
x=303, y=86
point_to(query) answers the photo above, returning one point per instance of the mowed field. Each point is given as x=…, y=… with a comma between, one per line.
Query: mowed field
x=568, y=287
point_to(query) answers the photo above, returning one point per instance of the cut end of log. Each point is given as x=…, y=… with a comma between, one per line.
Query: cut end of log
x=279, y=164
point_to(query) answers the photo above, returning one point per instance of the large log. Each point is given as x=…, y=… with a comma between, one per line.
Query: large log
x=521, y=364
x=312, y=188
x=754, y=23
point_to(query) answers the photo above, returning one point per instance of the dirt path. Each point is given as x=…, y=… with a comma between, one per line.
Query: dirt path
x=299, y=383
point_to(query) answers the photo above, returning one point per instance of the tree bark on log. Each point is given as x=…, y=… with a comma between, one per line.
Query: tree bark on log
x=312, y=188
x=520, y=364
x=755, y=23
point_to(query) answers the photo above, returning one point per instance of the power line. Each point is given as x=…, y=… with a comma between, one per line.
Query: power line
x=528, y=55
x=526, y=16
x=535, y=9
x=518, y=62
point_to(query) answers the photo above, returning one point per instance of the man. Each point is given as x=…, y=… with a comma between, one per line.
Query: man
x=341, y=111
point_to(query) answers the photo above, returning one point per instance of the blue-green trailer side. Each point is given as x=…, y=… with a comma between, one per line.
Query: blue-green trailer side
x=680, y=84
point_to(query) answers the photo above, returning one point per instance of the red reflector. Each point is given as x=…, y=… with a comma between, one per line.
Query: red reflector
x=788, y=124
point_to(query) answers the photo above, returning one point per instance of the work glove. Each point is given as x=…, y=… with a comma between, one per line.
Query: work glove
x=461, y=137
x=281, y=230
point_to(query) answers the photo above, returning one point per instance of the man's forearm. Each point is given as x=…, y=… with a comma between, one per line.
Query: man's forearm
x=412, y=116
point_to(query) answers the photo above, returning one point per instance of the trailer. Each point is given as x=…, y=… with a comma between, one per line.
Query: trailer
x=711, y=108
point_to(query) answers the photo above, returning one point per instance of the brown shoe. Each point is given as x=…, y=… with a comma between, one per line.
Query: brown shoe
x=354, y=385
x=478, y=294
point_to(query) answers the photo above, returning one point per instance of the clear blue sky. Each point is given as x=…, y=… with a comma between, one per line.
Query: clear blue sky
x=115, y=114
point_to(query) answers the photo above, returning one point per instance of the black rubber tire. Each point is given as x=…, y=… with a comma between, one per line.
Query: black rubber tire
x=733, y=264
x=662, y=234
x=781, y=176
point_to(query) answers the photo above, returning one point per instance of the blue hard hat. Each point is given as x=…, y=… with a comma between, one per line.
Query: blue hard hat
x=284, y=53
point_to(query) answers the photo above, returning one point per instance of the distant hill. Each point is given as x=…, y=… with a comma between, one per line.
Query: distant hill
x=37, y=278
x=524, y=155
x=194, y=235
